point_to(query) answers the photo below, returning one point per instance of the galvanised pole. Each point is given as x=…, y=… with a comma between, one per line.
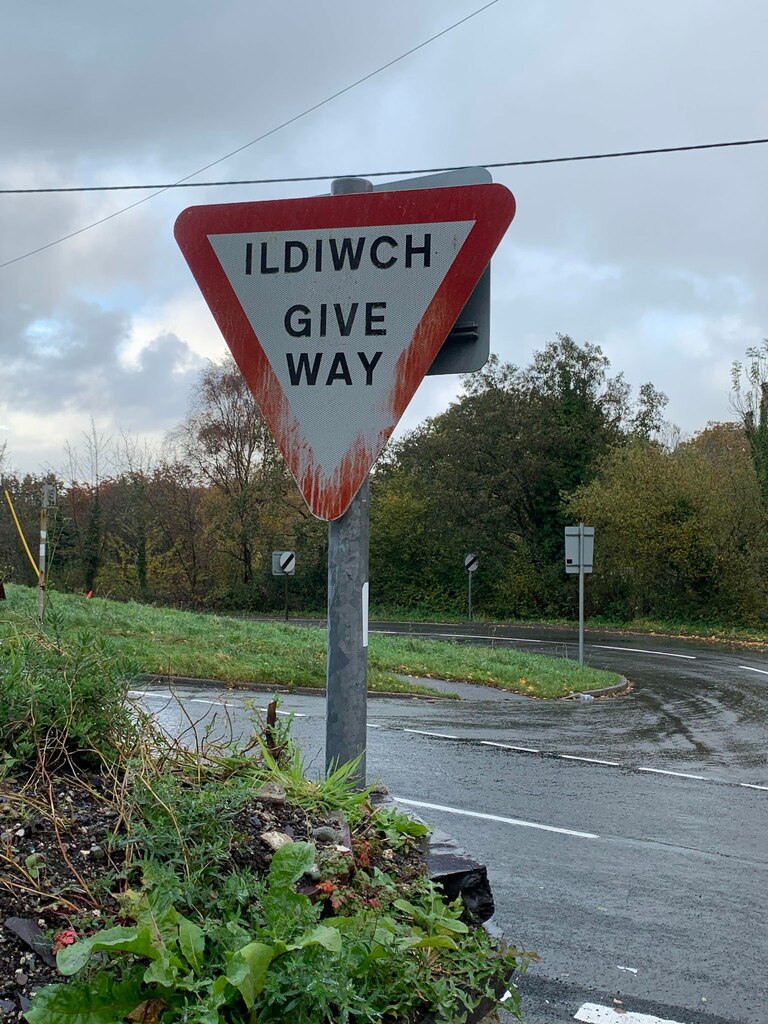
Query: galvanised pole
x=347, y=666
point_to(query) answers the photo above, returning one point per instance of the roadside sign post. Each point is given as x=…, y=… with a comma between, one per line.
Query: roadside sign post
x=579, y=554
x=334, y=308
x=471, y=563
x=284, y=564
x=49, y=498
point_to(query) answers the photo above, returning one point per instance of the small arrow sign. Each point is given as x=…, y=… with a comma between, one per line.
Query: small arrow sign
x=334, y=308
x=471, y=562
x=283, y=563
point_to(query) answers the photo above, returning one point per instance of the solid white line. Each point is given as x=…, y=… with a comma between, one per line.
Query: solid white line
x=749, y=668
x=370, y=725
x=593, y=1013
x=150, y=696
x=591, y=760
x=680, y=775
x=225, y=703
x=496, y=817
x=638, y=650
x=508, y=746
x=751, y=785
x=438, y=735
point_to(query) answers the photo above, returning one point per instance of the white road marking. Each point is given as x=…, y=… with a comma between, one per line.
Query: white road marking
x=148, y=695
x=508, y=746
x=590, y=760
x=593, y=1013
x=751, y=785
x=466, y=636
x=638, y=650
x=680, y=775
x=762, y=671
x=370, y=725
x=496, y=817
x=287, y=714
x=225, y=703
x=438, y=735
x=632, y=970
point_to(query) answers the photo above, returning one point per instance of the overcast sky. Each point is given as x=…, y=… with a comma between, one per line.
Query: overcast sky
x=661, y=260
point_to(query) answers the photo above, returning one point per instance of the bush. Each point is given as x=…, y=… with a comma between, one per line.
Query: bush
x=62, y=697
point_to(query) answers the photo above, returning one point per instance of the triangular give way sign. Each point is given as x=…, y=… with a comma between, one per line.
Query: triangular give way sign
x=334, y=308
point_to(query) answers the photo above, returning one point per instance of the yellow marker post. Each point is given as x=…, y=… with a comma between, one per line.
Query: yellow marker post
x=32, y=561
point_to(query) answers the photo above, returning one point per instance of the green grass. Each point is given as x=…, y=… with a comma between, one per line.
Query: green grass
x=240, y=652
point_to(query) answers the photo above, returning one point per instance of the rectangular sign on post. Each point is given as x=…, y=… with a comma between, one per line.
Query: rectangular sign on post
x=579, y=552
x=579, y=548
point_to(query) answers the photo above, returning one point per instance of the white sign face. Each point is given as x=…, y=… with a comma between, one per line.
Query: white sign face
x=471, y=562
x=334, y=309
x=334, y=313
x=283, y=563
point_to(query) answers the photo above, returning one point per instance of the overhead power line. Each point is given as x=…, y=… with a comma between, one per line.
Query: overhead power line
x=184, y=183
x=260, y=138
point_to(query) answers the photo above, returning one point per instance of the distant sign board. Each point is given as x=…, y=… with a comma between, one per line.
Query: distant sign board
x=283, y=563
x=471, y=562
x=579, y=548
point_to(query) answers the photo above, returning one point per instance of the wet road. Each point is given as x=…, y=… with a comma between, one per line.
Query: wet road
x=694, y=707
x=631, y=882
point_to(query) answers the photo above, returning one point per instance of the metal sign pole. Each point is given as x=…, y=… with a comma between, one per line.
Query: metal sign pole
x=347, y=671
x=469, y=595
x=581, y=594
x=41, y=557
x=286, y=596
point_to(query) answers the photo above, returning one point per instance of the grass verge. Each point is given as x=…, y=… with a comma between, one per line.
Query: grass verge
x=234, y=651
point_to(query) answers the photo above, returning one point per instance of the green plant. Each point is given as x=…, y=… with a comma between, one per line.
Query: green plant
x=285, y=962
x=399, y=829
x=63, y=697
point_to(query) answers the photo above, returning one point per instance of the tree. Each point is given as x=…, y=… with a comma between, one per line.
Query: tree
x=750, y=400
x=678, y=533
x=492, y=471
x=229, y=448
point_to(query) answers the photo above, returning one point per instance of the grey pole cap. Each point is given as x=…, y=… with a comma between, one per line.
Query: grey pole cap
x=349, y=186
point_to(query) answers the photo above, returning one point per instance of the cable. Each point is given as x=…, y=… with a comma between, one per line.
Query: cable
x=183, y=183
x=260, y=138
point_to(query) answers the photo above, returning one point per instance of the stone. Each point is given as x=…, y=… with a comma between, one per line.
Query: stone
x=326, y=834
x=275, y=840
x=31, y=934
x=21, y=978
x=271, y=793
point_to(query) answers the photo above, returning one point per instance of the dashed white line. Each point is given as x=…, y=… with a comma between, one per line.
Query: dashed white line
x=286, y=714
x=224, y=703
x=370, y=725
x=496, y=817
x=466, y=636
x=589, y=760
x=680, y=775
x=509, y=746
x=594, y=1013
x=762, y=671
x=148, y=695
x=638, y=650
x=437, y=735
x=751, y=785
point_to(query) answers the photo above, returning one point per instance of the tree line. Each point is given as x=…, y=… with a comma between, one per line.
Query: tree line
x=680, y=523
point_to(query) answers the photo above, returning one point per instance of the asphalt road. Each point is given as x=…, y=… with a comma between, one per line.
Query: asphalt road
x=626, y=843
